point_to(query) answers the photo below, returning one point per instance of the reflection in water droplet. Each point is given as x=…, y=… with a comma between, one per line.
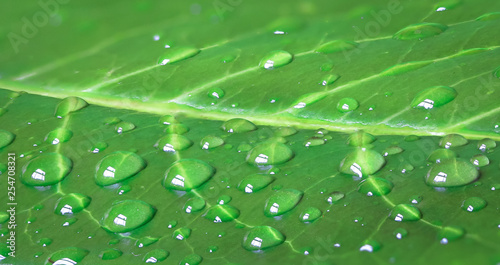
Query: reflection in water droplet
x=46, y=169
x=486, y=144
x=238, y=126
x=146, y=241
x=451, y=173
x=282, y=201
x=474, y=204
x=187, y=174
x=182, y=233
x=262, y=237
x=329, y=79
x=117, y=167
x=224, y=199
x=335, y=197
x=276, y=59
x=173, y=55
x=68, y=256
x=127, y=215
x=420, y=31
x=433, y=97
x=400, y=233
x=98, y=147
x=269, y=153
x=375, y=186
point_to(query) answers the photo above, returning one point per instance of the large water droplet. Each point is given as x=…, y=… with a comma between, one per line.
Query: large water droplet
x=155, y=256
x=269, y=153
x=6, y=138
x=362, y=162
x=375, y=186
x=194, y=205
x=59, y=135
x=211, y=141
x=238, y=126
x=173, y=55
x=117, y=167
x=433, y=97
x=276, y=59
x=127, y=215
x=110, y=254
x=451, y=173
x=347, y=104
x=452, y=140
x=310, y=214
x=360, y=139
x=405, y=212
x=282, y=201
x=67, y=256
x=174, y=142
x=262, y=237
x=474, y=204
x=71, y=203
x=336, y=46
x=222, y=213
x=68, y=105
x=441, y=155
x=420, y=31
x=255, y=182
x=46, y=169
x=187, y=174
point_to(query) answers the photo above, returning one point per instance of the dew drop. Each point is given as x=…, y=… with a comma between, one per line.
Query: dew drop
x=146, y=241
x=282, y=201
x=420, y=31
x=68, y=105
x=211, y=141
x=222, y=213
x=347, y=104
x=112, y=121
x=432, y=97
x=117, y=167
x=6, y=138
x=329, y=79
x=71, y=203
x=392, y=150
x=360, y=139
x=276, y=59
x=216, y=93
x=70, y=255
x=173, y=142
x=224, y=199
x=310, y=214
x=405, y=212
x=69, y=221
x=156, y=255
x=187, y=174
x=400, y=233
x=370, y=246
x=194, y=205
x=441, y=155
x=335, y=197
x=182, y=233
x=473, y=204
x=192, y=259
x=110, y=254
x=451, y=173
x=486, y=144
x=255, y=182
x=46, y=169
x=450, y=233
x=124, y=126
x=284, y=131
x=262, y=237
x=314, y=141
x=127, y=215
x=59, y=135
x=98, y=147
x=173, y=55
x=362, y=162
x=177, y=128
x=375, y=186
x=336, y=46
x=44, y=242
x=167, y=120
x=452, y=140
x=269, y=153
x=446, y=5
x=238, y=125
x=480, y=160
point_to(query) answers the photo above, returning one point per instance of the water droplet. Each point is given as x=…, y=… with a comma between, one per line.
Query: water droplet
x=262, y=237
x=168, y=119
x=480, y=160
x=123, y=189
x=435, y=96
x=416, y=199
x=269, y=153
x=112, y=120
x=244, y=147
x=71, y=203
x=6, y=138
x=412, y=138
x=222, y=213
x=224, y=199
x=127, y=215
x=2, y=111
x=173, y=55
x=450, y=233
x=314, y=141
x=255, y=182
x=194, y=205
x=276, y=59
x=216, y=93
x=192, y=259
x=68, y=105
x=182, y=233
x=362, y=162
x=173, y=142
x=452, y=140
x=326, y=67
x=420, y=31
x=335, y=197
x=400, y=233
x=211, y=141
x=187, y=174
x=98, y=147
x=59, y=135
x=405, y=212
x=44, y=242
x=360, y=139
x=110, y=254
x=473, y=204
x=156, y=255
x=446, y=5
x=347, y=104
x=451, y=173
x=172, y=224
x=282, y=201
x=146, y=241
x=284, y=131
x=212, y=249
x=329, y=79
x=238, y=126
x=370, y=246
x=66, y=256
x=441, y=155
x=336, y=46
x=375, y=186
x=69, y=221
x=117, y=167
x=392, y=150
x=489, y=16
x=177, y=128
x=486, y=144
x=310, y=214
x=124, y=126
x=46, y=169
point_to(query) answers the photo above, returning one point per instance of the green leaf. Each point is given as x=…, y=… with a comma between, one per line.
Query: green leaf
x=245, y=132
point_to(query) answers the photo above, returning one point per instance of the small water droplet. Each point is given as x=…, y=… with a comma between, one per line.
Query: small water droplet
x=400, y=233
x=59, y=135
x=6, y=138
x=276, y=59
x=335, y=197
x=489, y=16
x=480, y=160
x=441, y=155
x=420, y=31
x=68, y=105
x=71, y=203
x=70, y=255
x=450, y=233
x=127, y=215
x=336, y=46
x=211, y=141
x=473, y=204
x=310, y=214
x=146, y=241
x=182, y=233
x=370, y=246
x=222, y=213
x=156, y=255
x=238, y=125
x=375, y=186
x=110, y=254
x=187, y=174
x=405, y=212
x=362, y=162
x=224, y=199
x=434, y=97
x=486, y=144
x=282, y=201
x=216, y=93
x=173, y=143
x=255, y=182
x=192, y=259
x=314, y=141
x=452, y=140
x=347, y=104
x=392, y=150
x=269, y=153
x=124, y=126
x=167, y=120
x=262, y=237
x=329, y=79
x=173, y=55
x=194, y=205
